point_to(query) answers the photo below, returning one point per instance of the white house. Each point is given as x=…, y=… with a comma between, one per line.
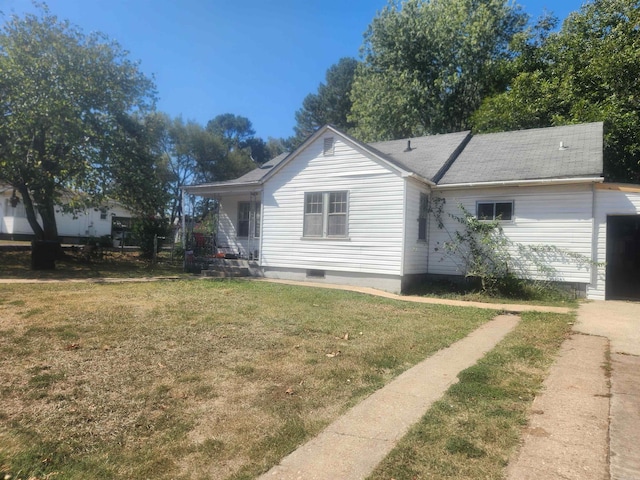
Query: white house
x=342, y=211
x=92, y=222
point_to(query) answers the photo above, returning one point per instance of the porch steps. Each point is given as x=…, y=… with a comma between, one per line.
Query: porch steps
x=227, y=268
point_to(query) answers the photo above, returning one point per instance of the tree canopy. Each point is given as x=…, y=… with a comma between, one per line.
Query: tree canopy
x=331, y=104
x=428, y=65
x=587, y=71
x=72, y=118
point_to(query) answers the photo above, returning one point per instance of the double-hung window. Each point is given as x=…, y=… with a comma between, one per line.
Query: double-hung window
x=495, y=211
x=325, y=214
x=245, y=222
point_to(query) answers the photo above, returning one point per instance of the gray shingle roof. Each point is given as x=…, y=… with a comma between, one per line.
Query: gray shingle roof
x=253, y=176
x=459, y=158
x=257, y=173
x=530, y=154
x=427, y=156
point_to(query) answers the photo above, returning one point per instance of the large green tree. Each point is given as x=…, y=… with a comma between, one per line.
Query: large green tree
x=71, y=118
x=587, y=71
x=331, y=104
x=428, y=65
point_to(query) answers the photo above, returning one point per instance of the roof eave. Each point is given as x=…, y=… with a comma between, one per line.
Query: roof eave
x=211, y=190
x=522, y=183
x=420, y=179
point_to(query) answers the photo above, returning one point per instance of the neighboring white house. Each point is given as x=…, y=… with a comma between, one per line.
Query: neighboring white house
x=339, y=210
x=94, y=222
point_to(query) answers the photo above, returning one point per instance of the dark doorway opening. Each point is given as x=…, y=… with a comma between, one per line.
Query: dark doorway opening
x=623, y=257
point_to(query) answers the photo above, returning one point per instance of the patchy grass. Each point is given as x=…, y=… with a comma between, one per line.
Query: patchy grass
x=16, y=264
x=531, y=293
x=473, y=430
x=194, y=379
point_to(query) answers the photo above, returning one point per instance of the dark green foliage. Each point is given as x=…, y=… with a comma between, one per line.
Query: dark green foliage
x=150, y=233
x=588, y=71
x=69, y=122
x=331, y=105
x=428, y=65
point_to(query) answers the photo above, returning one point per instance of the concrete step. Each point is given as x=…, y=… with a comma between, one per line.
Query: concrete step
x=226, y=272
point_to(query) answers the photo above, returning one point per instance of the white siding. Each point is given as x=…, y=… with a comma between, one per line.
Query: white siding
x=559, y=216
x=608, y=202
x=375, y=213
x=416, y=252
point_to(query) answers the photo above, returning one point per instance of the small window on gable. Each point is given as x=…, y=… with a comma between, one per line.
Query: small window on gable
x=103, y=213
x=502, y=211
x=328, y=148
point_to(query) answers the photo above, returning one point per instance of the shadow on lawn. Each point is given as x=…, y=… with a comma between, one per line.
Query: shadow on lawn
x=15, y=263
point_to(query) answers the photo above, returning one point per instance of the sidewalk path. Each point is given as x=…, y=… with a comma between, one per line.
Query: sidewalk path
x=353, y=445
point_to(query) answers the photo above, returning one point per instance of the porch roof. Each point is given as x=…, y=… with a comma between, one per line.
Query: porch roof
x=248, y=183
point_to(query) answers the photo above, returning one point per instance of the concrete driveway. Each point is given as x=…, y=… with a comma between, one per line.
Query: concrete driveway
x=585, y=423
x=620, y=323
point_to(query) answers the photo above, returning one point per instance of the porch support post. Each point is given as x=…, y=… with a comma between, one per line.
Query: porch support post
x=184, y=223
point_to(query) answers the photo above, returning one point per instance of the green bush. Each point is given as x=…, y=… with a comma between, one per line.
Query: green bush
x=146, y=230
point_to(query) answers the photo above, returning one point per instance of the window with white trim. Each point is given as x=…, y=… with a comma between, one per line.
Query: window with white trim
x=502, y=211
x=422, y=216
x=245, y=219
x=325, y=214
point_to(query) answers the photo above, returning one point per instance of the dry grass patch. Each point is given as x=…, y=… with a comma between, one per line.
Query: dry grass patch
x=193, y=379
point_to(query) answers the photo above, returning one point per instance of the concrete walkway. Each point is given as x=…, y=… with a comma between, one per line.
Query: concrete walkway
x=352, y=446
x=566, y=438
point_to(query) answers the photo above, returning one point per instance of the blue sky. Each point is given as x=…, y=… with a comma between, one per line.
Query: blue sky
x=255, y=58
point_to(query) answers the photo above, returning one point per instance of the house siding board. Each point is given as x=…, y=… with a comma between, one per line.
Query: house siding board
x=416, y=251
x=555, y=216
x=607, y=202
x=375, y=213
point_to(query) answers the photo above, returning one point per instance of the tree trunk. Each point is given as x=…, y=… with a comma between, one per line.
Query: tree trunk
x=49, y=226
x=32, y=216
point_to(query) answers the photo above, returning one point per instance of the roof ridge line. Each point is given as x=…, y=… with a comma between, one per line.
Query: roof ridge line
x=452, y=158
